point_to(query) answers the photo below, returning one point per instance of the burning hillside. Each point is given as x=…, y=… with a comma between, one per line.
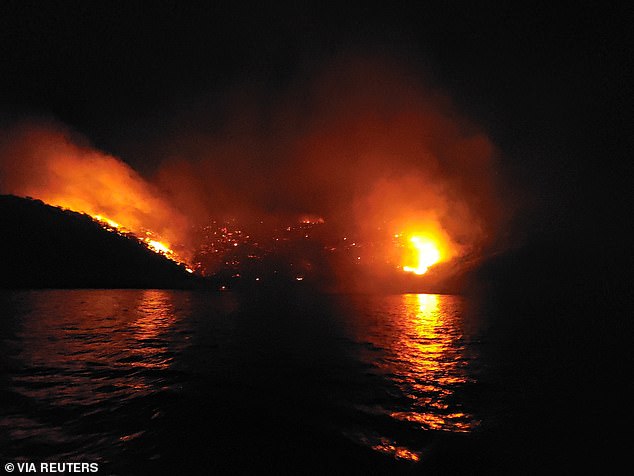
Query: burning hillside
x=45, y=246
x=49, y=163
x=386, y=169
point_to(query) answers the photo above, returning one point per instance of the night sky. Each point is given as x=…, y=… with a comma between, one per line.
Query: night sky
x=546, y=83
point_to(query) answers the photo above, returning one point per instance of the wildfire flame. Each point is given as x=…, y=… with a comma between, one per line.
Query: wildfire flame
x=160, y=247
x=425, y=252
x=46, y=161
x=107, y=221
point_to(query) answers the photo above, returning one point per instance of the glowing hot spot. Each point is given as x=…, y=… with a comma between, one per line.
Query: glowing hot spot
x=159, y=247
x=107, y=221
x=425, y=253
x=154, y=245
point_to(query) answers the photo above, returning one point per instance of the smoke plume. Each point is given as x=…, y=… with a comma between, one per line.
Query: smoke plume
x=47, y=161
x=360, y=141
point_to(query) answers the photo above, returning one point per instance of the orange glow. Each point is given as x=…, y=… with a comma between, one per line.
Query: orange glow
x=424, y=252
x=107, y=221
x=312, y=220
x=159, y=247
x=398, y=452
x=71, y=175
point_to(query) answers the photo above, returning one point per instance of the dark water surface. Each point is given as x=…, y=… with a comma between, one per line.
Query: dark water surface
x=153, y=381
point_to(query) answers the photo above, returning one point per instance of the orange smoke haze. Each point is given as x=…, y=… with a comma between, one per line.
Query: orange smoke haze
x=47, y=161
x=362, y=143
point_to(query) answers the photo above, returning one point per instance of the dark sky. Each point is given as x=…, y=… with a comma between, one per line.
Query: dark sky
x=547, y=83
x=95, y=65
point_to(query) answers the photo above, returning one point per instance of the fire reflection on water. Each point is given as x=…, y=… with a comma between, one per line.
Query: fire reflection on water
x=154, y=316
x=427, y=360
x=92, y=373
x=83, y=353
x=432, y=348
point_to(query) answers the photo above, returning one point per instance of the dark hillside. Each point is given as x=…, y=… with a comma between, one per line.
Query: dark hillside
x=45, y=247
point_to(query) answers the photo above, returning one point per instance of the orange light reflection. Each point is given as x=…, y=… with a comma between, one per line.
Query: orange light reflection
x=104, y=345
x=425, y=358
x=429, y=351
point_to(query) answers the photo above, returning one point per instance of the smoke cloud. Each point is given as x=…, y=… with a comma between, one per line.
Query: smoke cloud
x=361, y=142
x=48, y=161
